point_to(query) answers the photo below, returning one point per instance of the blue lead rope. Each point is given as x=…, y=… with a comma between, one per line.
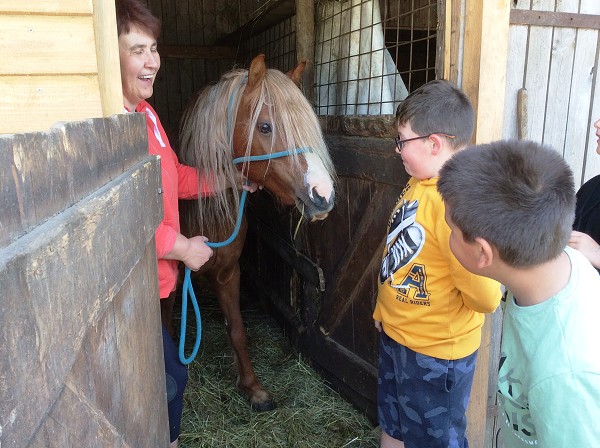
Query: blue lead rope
x=188, y=289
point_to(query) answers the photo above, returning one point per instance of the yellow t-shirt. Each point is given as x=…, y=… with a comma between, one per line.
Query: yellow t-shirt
x=426, y=300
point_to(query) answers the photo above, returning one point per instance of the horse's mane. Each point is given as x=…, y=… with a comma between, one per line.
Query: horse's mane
x=206, y=137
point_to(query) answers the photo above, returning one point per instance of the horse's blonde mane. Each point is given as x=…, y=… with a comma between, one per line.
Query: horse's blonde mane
x=206, y=137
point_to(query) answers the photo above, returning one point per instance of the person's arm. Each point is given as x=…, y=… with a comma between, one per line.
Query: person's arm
x=587, y=246
x=480, y=294
x=172, y=245
x=192, y=251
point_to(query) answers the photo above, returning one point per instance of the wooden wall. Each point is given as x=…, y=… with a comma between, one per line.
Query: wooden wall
x=81, y=360
x=59, y=62
x=555, y=55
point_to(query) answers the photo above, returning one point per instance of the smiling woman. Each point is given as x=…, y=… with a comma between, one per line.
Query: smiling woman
x=138, y=31
x=140, y=62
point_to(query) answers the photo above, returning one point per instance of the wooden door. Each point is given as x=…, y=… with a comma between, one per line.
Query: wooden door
x=81, y=360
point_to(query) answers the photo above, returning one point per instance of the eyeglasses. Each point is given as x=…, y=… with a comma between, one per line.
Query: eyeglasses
x=400, y=143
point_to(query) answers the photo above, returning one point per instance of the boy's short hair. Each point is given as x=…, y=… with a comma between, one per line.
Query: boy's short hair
x=517, y=195
x=439, y=107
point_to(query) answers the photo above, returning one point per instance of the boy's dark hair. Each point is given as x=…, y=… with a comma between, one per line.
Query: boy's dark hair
x=135, y=13
x=439, y=107
x=517, y=195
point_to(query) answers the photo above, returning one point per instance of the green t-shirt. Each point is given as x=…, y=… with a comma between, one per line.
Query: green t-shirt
x=549, y=378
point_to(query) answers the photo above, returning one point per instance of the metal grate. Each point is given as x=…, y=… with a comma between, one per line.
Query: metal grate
x=278, y=43
x=371, y=53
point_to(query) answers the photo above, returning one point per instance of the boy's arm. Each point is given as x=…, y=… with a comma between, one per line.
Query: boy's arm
x=479, y=293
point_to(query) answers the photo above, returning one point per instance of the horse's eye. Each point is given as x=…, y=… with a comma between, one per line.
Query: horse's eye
x=264, y=128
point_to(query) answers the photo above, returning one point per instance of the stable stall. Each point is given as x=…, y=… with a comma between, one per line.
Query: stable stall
x=530, y=68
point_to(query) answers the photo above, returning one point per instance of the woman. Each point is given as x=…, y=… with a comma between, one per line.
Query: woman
x=586, y=234
x=138, y=30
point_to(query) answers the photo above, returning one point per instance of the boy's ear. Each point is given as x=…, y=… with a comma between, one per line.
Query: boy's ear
x=436, y=142
x=485, y=253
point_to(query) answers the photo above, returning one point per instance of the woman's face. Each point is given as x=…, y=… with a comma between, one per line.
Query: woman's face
x=139, y=64
x=597, y=126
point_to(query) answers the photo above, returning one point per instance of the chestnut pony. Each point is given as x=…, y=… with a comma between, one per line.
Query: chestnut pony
x=251, y=114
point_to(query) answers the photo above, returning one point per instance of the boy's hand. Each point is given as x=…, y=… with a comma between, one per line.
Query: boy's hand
x=378, y=325
x=587, y=246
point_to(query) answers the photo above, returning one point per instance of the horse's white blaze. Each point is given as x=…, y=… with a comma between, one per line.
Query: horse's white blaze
x=317, y=177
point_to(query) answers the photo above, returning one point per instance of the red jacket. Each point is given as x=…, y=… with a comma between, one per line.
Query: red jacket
x=178, y=182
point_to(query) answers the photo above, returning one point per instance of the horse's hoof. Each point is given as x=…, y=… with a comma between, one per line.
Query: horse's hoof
x=263, y=406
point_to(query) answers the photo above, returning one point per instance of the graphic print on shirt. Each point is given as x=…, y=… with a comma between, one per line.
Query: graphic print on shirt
x=512, y=396
x=404, y=242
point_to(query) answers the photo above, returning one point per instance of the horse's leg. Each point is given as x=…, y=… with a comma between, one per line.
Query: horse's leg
x=227, y=288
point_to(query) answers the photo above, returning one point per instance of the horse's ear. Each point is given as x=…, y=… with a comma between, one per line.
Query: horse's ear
x=296, y=73
x=256, y=72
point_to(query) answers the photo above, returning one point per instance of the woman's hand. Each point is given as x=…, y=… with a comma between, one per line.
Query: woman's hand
x=192, y=251
x=587, y=246
x=198, y=253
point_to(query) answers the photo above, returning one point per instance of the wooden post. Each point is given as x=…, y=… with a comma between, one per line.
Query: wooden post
x=305, y=44
x=107, y=54
x=482, y=75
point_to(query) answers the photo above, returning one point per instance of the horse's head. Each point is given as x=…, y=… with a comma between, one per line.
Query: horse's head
x=274, y=118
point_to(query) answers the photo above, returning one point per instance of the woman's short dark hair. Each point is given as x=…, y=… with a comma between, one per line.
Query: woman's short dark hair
x=517, y=195
x=135, y=13
x=439, y=107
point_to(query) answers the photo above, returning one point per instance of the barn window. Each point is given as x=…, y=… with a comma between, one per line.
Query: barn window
x=369, y=54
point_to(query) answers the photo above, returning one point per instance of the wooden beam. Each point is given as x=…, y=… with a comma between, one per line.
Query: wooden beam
x=196, y=52
x=483, y=67
x=305, y=44
x=275, y=13
x=484, y=64
x=107, y=54
x=554, y=18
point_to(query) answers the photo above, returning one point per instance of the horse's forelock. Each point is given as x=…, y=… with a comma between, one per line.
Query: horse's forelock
x=295, y=118
x=206, y=142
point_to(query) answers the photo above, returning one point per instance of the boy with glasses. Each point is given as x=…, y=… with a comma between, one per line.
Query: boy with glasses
x=429, y=307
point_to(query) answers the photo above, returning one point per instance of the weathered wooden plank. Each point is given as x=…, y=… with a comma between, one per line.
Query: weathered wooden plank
x=34, y=103
x=45, y=173
x=554, y=19
x=515, y=75
x=366, y=158
x=354, y=264
x=58, y=280
x=33, y=44
x=536, y=72
x=579, y=103
x=383, y=126
x=305, y=44
x=305, y=267
x=560, y=72
x=47, y=7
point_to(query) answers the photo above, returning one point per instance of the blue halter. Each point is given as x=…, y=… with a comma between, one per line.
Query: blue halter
x=188, y=289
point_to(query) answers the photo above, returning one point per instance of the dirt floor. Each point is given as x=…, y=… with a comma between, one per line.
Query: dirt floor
x=308, y=414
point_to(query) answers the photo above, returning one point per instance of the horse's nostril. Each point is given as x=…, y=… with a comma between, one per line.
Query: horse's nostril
x=318, y=200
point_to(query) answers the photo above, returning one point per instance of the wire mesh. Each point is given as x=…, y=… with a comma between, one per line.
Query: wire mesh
x=371, y=53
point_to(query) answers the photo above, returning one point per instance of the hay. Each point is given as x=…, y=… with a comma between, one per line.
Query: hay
x=308, y=414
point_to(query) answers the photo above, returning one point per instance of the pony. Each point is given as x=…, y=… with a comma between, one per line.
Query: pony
x=248, y=113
